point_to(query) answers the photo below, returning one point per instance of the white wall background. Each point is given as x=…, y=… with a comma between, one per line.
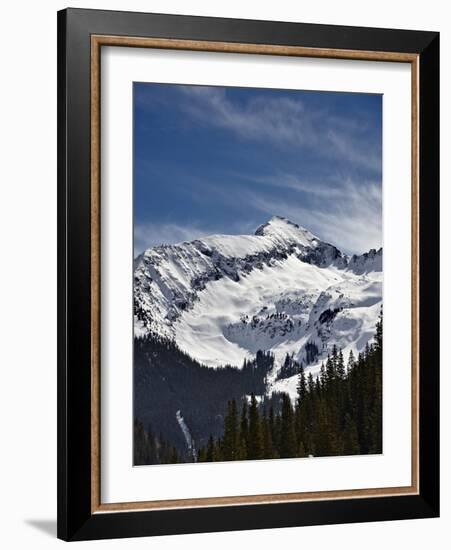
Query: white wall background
x=28, y=273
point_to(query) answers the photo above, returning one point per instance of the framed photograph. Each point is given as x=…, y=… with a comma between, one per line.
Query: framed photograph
x=248, y=274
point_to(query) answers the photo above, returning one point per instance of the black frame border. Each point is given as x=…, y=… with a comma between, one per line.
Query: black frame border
x=75, y=520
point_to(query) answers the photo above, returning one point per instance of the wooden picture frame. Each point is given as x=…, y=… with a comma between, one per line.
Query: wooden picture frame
x=81, y=35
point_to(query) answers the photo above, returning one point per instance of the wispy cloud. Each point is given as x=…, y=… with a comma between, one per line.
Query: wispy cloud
x=279, y=119
x=293, y=182
x=360, y=154
x=285, y=122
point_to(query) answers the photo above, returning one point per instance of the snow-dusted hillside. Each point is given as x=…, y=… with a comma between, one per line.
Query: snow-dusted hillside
x=224, y=297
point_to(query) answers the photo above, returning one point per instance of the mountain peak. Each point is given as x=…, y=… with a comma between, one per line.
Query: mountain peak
x=274, y=223
x=281, y=227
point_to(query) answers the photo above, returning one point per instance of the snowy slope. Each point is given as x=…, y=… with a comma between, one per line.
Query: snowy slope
x=224, y=297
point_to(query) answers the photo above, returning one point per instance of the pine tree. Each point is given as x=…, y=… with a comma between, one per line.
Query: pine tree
x=340, y=366
x=379, y=333
x=301, y=450
x=321, y=435
x=217, y=451
x=272, y=428
x=288, y=447
x=231, y=435
x=350, y=437
x=141, y=454
x=319, y=387
x=267, y=437
x=174, y=456
x=244, y=431
x=210, y=454
x=330, y=371
x=334, y=357
x=322, y=378
x=255, y=436
x=351, y=361
x=302, y=386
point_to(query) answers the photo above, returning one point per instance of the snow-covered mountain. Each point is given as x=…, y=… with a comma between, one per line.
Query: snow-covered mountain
x=224, y=297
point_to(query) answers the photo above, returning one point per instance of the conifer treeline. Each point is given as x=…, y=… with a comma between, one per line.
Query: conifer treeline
x=167, y=380
x=151, y=449
x=339, y=413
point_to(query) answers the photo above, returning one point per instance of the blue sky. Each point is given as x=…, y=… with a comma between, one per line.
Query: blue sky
x=224, y=160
